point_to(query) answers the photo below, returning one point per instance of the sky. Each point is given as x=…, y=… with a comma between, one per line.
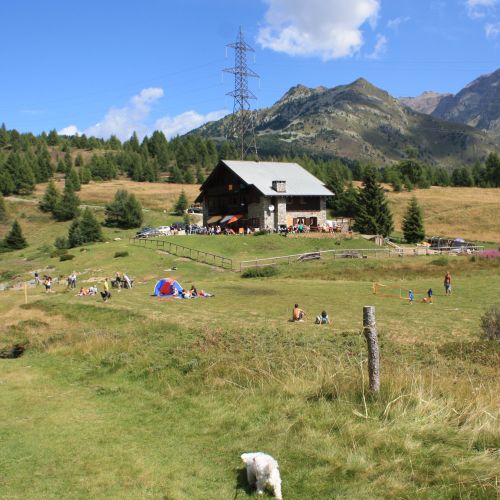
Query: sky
x=114, y=66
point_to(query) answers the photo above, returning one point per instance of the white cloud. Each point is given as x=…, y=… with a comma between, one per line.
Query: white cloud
x=69, y=130
x=189, y=120
x=395, y=23
x=492, y=30
x=380, y=47
x=326, y=28
x=479, y=8
x=122, y=122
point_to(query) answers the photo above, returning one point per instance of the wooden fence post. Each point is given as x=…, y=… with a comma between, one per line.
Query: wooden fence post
x=370, y=332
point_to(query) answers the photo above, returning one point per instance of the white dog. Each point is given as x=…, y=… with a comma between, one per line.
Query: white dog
x=262, y=470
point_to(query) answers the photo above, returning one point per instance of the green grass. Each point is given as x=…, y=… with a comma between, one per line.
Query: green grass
x=146, y=398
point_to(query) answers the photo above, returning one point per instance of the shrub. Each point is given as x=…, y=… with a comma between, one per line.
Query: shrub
x=66, y=256
x=121, y=254
x=490, y=323
x=61, y=243
x=260, y=272
x=440, y=261
x=260, y=233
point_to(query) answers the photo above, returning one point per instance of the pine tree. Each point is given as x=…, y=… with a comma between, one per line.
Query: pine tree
x=21, y=173
x=124, y=211
x=7, y=185
x=45, y=167
x=15, y=239
x=181, y=204
x=67, y=207
x=373, y=215
x=68, y=161
x=493, y=169
x=85, y=175
x=79, y=160
x=50, y=198
x=73, y=180
x=3, y=209
x=75, y=238
x=90, y=228
x=413, y=226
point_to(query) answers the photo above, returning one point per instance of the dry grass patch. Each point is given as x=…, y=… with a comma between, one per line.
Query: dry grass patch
x=158, y=195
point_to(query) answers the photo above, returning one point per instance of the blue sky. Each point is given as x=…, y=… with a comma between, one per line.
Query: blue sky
x=113, y=66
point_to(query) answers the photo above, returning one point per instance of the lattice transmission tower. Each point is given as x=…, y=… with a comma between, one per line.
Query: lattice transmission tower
x=241, y=128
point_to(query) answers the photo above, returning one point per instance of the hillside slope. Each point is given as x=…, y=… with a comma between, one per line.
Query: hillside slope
x=426, y=102
x=361, y=122
x=477, y=105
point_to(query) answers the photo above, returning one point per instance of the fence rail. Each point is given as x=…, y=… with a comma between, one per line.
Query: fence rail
x=345, y=253
x=182, y=251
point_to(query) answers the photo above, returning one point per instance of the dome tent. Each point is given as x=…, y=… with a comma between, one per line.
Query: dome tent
x=166, y=287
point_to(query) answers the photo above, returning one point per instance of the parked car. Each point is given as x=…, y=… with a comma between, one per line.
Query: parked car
x=180, y=226
x=195, y=210
x=164, y=230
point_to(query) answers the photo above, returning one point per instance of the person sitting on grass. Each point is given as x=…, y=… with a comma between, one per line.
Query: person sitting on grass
x=322, y=319
x=175, y=292
x=298, y=314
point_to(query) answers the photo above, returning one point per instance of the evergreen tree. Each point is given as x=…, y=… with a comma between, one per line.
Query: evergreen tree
x=189, y=177
x=7, y=185
x=67, y=207
x=45, y=167
x=493, y=169
x=182, y=204
x=15, y=239
x=68, y=161
x=85, y=175
x=176, y=175
x=53, y=138
x=373, y=215
x=61, y=166
x=73, y=180
x=79, y=160
x=3, y=209
x=90, y=228
x=4, y=136
x=50, y=198
x=124, y=211
x=413, y=226
x=21, y=173
x=75, y=238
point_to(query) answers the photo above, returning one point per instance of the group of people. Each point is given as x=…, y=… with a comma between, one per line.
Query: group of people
x=191, y=293
x=430, y=293
x=85, y=292
x=298, y=314
x=122, y=281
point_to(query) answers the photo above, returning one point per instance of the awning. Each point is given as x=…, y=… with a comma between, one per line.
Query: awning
x=226, y=219
x=234, y=218
x=214, y=219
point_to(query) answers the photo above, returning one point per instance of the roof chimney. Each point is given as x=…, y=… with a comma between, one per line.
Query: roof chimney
x=279, y=186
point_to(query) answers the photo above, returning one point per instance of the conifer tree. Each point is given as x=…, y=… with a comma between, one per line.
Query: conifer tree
x=75, y=234
x=4, y=136
x=181, y=204
x=373, y=215
x=85, y=175
x=21, y=173
x=73, y=180
x=15, y=239
x=3, y=209
x=50, y=198
x=124, y=211
x=413, y=226
x=67, y=207
x=79, y=160
x=90, y=228
x=68, y=161
x=45, y=167
x=6, y=183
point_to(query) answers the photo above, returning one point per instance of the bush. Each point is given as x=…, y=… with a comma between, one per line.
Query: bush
x=66, y=256
x=260, y=272
x=260, y=233
x=121, y=254
x=490, y=323
x=440, y=261
x=61, y=243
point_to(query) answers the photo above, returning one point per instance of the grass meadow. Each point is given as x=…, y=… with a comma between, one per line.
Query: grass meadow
x=141, y=397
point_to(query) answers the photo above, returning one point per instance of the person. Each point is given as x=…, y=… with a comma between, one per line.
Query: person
x=410, y=296
x=106, y=295
x=72, y=280
x=323, y=318
x=447, y=283
x=429, y=295
x=92, y=290
x=48, y=284
x=37, y=278
x=175, y=292
x=126, y=279
x=118, y=281
x=194, y=292
x=298, y=314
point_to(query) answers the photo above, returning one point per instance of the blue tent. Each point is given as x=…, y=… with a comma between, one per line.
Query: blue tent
x=166, y=287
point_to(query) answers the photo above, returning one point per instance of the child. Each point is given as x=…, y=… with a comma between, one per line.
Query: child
x=429, y=295
x=410, y=296
x=323, y=319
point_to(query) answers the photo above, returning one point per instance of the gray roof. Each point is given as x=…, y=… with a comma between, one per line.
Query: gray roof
x=261, y=174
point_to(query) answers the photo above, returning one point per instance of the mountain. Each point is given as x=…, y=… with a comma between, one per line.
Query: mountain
x=358, y=121
x=425, y=102
x=477, y=105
